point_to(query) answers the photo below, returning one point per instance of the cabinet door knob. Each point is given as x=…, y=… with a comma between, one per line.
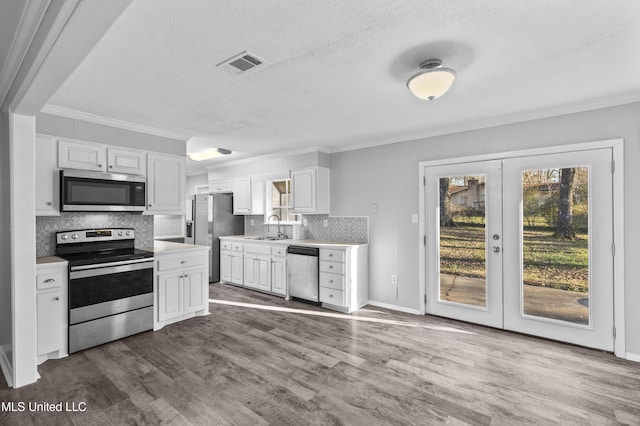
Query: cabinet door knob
x=330, y=254
x=99, y=165
x=183, y=262
x=49, y=203
x=149, y=205
x=330, y=281
x=56, y=298
x=331, y=295
x=49, y=280
x=111, y=166
x=330, y=266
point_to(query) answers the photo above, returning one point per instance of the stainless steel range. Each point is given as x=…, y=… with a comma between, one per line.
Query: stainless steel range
x=110, y=285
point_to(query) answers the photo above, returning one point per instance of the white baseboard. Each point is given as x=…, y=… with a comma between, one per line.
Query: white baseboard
x=394, y=307
x=6, y=367
x=633, y=357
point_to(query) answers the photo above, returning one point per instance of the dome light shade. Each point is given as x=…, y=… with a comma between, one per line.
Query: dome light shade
x=432, y=81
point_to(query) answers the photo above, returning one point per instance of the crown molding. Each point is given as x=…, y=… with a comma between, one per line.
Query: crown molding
x=27, y=27
x=498, y=121
x=113, y=122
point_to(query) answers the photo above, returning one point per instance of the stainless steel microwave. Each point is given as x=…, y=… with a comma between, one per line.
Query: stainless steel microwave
x=82, y=191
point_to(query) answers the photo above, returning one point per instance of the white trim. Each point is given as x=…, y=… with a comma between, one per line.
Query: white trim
x=633, y=357
x=265, y=157
x=422, y=247
x=27, y=27
x=618, y=259
x=6, y=367
x=113, y=122
x=393, y=307
x=617, y=145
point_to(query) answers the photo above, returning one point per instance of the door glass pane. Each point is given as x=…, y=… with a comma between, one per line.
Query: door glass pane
x=462, y=241
x=555, y=244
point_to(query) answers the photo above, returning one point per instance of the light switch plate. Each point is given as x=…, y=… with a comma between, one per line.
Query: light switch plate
x=374, y=208
x=252, y=222
x=326, y=223
x=304, y=221
x=414, y=217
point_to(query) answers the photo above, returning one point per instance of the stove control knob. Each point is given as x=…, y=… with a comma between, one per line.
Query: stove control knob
x=65, y=237
x=128, y=233
x=120, y=234
x=74, y=236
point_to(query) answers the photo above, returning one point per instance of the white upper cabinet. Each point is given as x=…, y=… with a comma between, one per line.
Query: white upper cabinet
x=100, y=158
x=165, y=184
x=126, y=161
x=82, y=156
x=220, y=186
x=310, y=190
x=47, y=177
x=242, y=195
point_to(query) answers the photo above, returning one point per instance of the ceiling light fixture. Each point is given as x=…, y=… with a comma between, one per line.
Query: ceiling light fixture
x=432, y=81
x=208, y=154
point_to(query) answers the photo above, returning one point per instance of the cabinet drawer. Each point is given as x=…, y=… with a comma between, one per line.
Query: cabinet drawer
x=279, y=251
x=333, y=267
x=332, y=255
x=180, y=262
x=334, y=281
x=48, y=279
x=225, y=245
x=332, y=296
x=237, y=247
x=257, y=249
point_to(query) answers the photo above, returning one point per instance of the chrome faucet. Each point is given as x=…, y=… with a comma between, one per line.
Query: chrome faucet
x=280, y=234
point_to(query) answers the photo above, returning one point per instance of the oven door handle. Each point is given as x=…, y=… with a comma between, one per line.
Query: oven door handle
x=95, y=272
x=107, y=264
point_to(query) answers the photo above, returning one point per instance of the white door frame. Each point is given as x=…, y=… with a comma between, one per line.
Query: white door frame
x=617, y=146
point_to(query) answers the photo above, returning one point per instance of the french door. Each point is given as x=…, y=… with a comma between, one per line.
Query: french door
x=524, y=244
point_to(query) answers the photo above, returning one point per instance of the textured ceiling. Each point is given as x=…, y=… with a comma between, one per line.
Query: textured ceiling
x=336, y=70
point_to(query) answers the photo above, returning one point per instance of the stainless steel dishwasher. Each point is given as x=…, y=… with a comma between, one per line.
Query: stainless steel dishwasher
x=302, y=272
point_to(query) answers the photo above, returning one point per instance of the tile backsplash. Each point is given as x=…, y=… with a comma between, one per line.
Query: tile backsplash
x=47, y=226
x=342, y=229
x=168, y=226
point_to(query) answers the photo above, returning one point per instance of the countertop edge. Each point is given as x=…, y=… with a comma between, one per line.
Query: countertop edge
x=311, y=243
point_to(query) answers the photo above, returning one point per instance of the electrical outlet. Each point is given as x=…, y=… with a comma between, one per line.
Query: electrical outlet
x=253, y=222
x=374, y=208
x=394, y=279
x=326, y=223
x=304, y=221
x=414, y=218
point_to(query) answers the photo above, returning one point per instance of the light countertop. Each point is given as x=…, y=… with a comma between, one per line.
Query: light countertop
x=49, y=260
x=169, y=247
x=249, y=239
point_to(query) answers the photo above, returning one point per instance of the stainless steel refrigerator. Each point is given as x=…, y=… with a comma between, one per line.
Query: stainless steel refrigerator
x=213, y=218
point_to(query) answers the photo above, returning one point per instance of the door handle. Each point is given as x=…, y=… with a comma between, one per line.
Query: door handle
x=496, y=249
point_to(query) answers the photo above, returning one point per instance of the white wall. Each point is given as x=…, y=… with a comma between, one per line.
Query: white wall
x=54, y=125
x=269, y=166
x=388, y=175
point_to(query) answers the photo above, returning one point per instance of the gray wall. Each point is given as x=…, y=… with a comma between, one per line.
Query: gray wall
x=388, y=175
x=54, y=125
x=196, y=180
x=6, y=339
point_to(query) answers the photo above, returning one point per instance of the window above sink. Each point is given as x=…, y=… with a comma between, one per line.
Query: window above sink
x=278, y=202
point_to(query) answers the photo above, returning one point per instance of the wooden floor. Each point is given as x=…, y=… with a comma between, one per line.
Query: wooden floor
x=249, y=366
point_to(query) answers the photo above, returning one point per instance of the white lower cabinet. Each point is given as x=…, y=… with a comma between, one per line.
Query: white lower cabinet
x=279, y=272
x=259, y=266
x=343, y=277
x=51, y=310
x=182, y=286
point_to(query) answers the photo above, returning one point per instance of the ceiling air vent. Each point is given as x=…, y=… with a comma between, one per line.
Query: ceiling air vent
x=241, y=63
